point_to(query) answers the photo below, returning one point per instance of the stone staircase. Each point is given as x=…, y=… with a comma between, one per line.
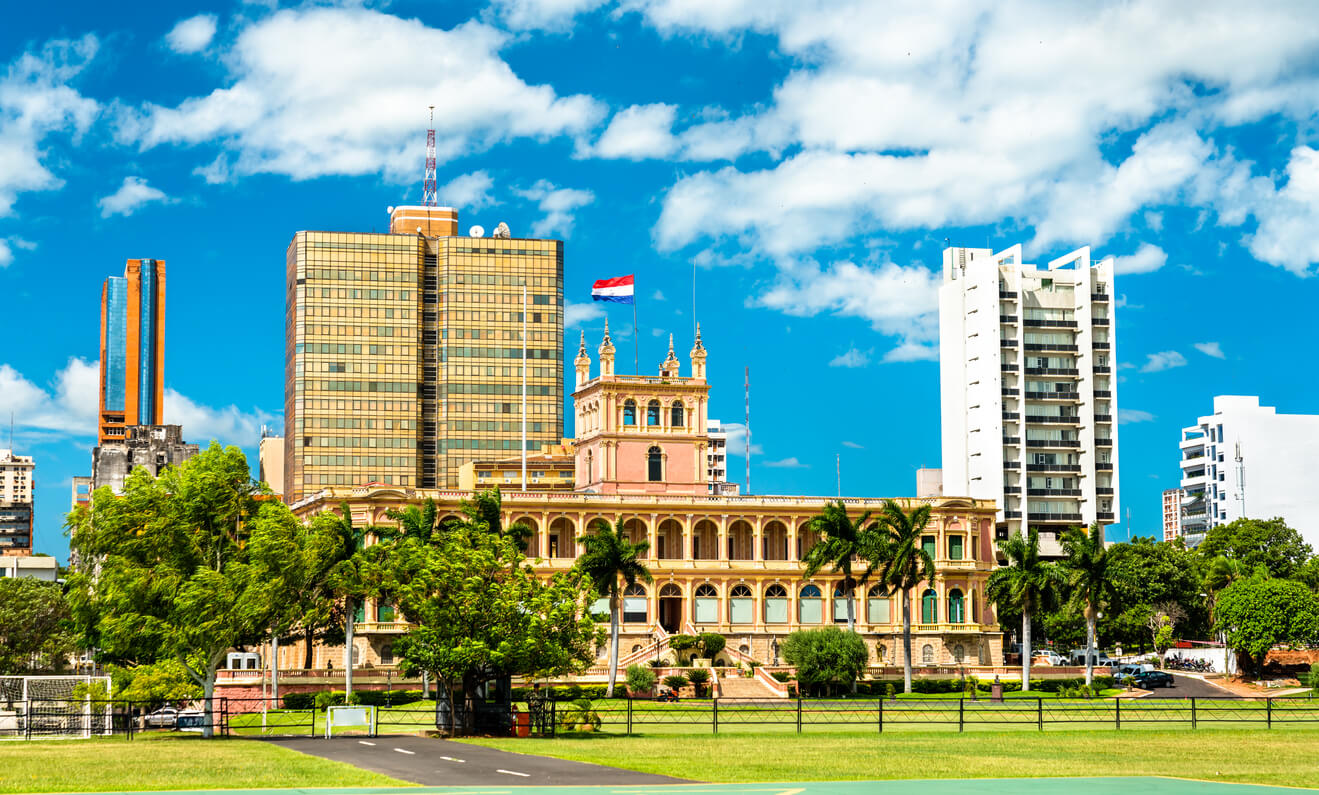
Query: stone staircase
x=743, y=687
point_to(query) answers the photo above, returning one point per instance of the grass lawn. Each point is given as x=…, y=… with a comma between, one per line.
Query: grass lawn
x=169, y=762
x=418, y=716
x=1280, y=757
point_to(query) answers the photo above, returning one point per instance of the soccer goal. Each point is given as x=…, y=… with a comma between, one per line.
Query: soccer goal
x=350, y=718
x=45, y=706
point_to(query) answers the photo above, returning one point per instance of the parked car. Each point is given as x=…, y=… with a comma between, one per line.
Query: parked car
x=163, y=718
x=1148, y=680
x=1100, y=658
x=1049, y=658
x=1122, y=673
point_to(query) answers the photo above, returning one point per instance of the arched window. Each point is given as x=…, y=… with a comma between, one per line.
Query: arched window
x=634, y=604
x=956, y=612
x=629, y=412
x=590, y=466
x=929, y=607
x=959, y=652
x=809, y=607
x=387, y=654
x=740, y=607
x=776, y=604
x=878, y=610
x=840, y=605
x=671, y=590
x=654, y=465
x=636, y=648
x=706, y=604
x=676, y=418
x=653, y=413
x=927, y=654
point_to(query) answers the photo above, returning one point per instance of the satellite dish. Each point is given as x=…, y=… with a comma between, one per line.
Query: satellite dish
x=476, y=231
x=390, y=209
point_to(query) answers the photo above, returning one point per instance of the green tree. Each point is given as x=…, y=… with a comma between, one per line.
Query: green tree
x=1259, y=542
x=1257, y=614
x=162, y=682
x=905, y=563
x=843, y=542
x=1027, y=584
x=826, y=657
x=165, y=569
x=1089, y=582
x=416, y=521
x=613, y=563
x=486, y=508
x=1148, y=573
x=480, y=611
x=36, y=633
x=640, y=680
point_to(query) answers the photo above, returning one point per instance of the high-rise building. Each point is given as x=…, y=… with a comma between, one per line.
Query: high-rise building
x=404, y=351
x=1027, y=388
x=270, y=461
x=1247, y=460
x=716, y=457
x=1172, y=514
x=151, y=447
x=81, y=492
x=16, y=503
x=132, y=349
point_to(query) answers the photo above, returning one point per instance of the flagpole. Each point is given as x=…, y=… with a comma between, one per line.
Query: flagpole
x=524, y=383
x=636, y=335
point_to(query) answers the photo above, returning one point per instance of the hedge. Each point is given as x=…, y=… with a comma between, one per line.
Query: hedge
x=878, y=687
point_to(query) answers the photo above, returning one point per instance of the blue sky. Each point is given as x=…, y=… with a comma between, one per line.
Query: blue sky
x=808, y=159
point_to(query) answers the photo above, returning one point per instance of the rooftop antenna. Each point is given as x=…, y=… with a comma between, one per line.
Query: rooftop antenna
x=1241, y=480
x=430, y=195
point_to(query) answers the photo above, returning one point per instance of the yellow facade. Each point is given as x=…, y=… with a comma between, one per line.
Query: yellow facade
x=403, y=355
x=551, y=469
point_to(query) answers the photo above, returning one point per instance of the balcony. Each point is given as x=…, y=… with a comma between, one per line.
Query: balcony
x=1105, y=490
x=1053, y=442
x=1106, y=516
x=1011, y=415
x=1100, y=321
x=1100, y=346
x=1007, y=318
x=1010, y=391
x=1052, y=418
x=1011, y=515
x=382, y=627
x=1072, y=371
x=1103, y=418
x=1009, y=367
x=1098, y=296
x=1055, y=517
x=1053, y=395
x=1053, y=467
x=1104, y=466
x=1050, y=323
x=1051, y=346
x=1012, y=489
x=1102, y=368
x=1034, y=492
x=1011, y=465
x=1103, y=441
x=1009, y=294
x=1103, y=393
x=1007, y=343
x=1011, y=440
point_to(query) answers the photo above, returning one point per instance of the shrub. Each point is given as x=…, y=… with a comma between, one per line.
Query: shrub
x=700, y=678
x=335, y=698
x=1314, y=678
x=890, y=691
x=300, y=701
x=683, y=642
x=640, y=679
x=826, y=657
x=383, y=698
x=711, y=643
x=675, y=681
x=658, y=663
x=581, y=715
x=781, y=676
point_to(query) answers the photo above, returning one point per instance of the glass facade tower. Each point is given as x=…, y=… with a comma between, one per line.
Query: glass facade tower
x=132, y=349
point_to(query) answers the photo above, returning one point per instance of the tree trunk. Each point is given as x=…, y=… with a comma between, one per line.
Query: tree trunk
x=613, y=645
x=1025, y=650
x=208, y=695
x=348, y=652
x=906, y=641
x=851, y=623
x=307, y=657
x=274, y=667
x=1090, y=647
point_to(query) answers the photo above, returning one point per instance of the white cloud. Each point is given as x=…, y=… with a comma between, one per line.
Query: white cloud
x=554, y=15
x=228, y=425
x=1289, y=216
x=468, y=192
x=852, y=357
x=558, y=205
x=575, y=315
x=737, y=440
x=1126, y=416
x=657, y=296
x=67, y=406
x=639, y=132
x=1164, y=360
x=317, y=91
x=131, y=196
x=853, y=445
x=787, y=463
x=192, y=34
x=1211, y=349
x=1146, y=259
x=913, y=352
x=37, y=102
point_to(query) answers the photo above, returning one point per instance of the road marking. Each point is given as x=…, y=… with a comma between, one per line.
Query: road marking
x=405, y=751
x=451, y=759
x=512, y=772
x=364, y=742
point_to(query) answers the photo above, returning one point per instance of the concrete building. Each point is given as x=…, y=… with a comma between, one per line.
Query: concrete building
x=1247, y=460
x=1172, y=514
x=722, y=563
x=717, y=459
x=929, y=482
x=16, y=502
x=38, y=567
x=1028, y=393
x=404, y=351
x=550, y=469
x=81, y=492
x=132, y=386
x=270, y=461
x=153, y=447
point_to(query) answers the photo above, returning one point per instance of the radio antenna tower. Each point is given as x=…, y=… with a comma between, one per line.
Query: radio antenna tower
x=748, y=456
x=430, y=195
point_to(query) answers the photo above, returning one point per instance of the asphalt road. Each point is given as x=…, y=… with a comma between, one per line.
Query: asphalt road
x=1188, y=687
x=440, y=763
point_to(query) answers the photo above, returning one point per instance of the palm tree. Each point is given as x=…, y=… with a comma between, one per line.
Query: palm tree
x=1221, y=572
x=416, y=522
x=844, y=542
x=486, y=507
x=1089, y=582
x=1027, y=583
x=347, y=577
x=906, y=565
x=607, y=557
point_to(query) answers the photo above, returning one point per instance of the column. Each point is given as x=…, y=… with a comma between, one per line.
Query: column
x=688, y=530
x=723, y=538
x=758, y=539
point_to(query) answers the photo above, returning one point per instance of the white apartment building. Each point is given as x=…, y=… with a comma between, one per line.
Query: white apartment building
x=1248, y=460
x=1172, y=514
x=16, y=503
x=1027, y=388
x=716, y=459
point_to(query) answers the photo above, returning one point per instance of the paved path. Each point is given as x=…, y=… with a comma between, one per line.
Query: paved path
x=440, y=763
x=1190, y=687
x=1121, y=785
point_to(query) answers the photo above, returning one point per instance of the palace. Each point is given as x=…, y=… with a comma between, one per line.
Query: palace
x=721, y=563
